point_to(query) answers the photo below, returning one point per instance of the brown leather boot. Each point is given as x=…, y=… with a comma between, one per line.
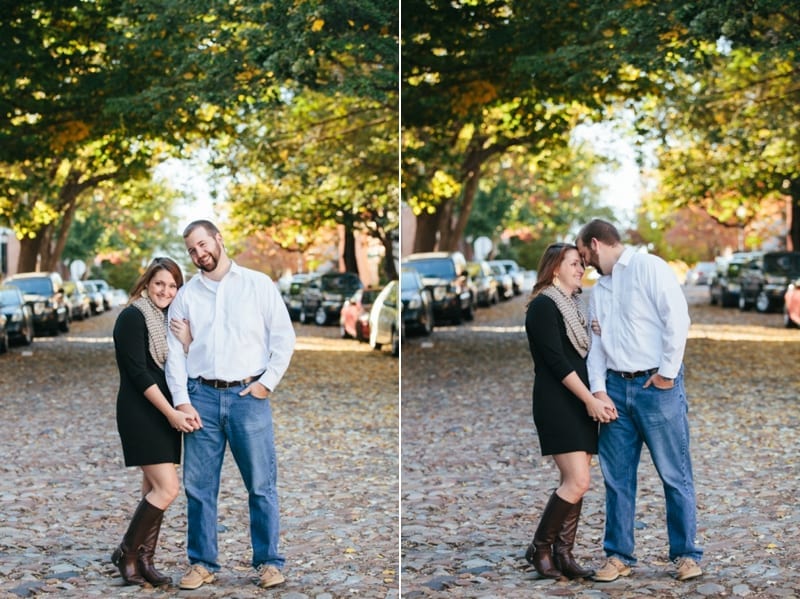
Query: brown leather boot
x=540, y=551
x=562, y=547
x=126, y=556
x=147, y=550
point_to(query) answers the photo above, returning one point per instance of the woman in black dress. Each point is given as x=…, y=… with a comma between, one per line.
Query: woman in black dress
x=149, y=426
x=565, y=412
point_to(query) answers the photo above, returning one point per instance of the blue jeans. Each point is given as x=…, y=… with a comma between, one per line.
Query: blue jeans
x=245, y=423
x=658, y=418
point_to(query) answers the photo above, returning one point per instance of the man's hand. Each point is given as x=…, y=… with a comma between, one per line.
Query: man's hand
x=659, y=382
x=256, y=389
x=189, y=409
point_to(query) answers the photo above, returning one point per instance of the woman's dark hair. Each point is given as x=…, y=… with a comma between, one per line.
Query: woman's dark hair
x=156, y=265
x=552, y=257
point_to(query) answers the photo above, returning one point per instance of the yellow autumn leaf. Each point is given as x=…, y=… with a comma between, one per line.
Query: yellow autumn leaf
x=317, y=25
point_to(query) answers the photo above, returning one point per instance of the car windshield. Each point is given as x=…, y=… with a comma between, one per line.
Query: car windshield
x=408, y=280
x=441, y=269
x=788, y=264
x=338, y=282
x=33, y=286
x=369, y=295
x=9, y=297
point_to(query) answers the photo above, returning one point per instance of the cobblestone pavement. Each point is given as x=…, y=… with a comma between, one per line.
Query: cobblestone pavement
x=474, y=481
x=65, y=496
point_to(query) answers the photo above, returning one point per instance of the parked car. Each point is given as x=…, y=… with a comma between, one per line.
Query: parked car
x=417, y=303
x=763, y=280
x=724, y=288
x=3, y=334
x=96, y=302
x=702, y=273
x=120, y=297
x=354, y=316
x=18, y=314
x=292, y=294
x=384, y=320
x=445, y=275
x=105, y=289
x=486, y=293
x=514, y=271
x=80, y=306
x=323, y=296
x=791, y=305
x=505, y=284
x=44, y=293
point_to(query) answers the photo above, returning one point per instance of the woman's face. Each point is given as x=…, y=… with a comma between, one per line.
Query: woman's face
x=162, y=288
x=570, y=271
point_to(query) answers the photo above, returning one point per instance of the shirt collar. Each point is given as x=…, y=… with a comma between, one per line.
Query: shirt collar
x=623, y=261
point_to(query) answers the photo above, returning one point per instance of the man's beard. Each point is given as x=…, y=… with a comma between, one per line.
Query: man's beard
x=214, y=255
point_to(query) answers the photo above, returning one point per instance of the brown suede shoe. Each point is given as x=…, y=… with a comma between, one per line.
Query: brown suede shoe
x=196, y=577
x=687, y=568
x=269, y=576
x=612, y=569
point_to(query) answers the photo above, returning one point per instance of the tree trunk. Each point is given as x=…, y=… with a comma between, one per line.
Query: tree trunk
x=389, y=268
x=29, y=254
x=350, y=262
x=794, y=223
x=425, y=235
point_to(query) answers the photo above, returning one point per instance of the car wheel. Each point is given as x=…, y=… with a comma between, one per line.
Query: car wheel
x=4, y=344
x=427, y=323
x=320, y=317
x=743, y=305
x=27, y=335
x=302, y=317
x=763, y=303
x=64, y=326
x=395, y=342
x=343, y=331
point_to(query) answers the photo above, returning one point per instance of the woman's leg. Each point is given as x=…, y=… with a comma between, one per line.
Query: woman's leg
x=162, y=479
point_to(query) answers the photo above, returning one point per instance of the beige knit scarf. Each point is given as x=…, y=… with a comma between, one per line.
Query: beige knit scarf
x=574, y=319
x=156, y=322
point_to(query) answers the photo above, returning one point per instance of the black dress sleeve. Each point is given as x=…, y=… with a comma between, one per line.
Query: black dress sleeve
x=545, y=328
x=131, y=345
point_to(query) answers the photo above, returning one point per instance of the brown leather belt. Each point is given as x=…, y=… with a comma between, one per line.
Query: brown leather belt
x=634, y=375
x=217, y=384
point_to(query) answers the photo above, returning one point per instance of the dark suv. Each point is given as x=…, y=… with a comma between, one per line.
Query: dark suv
x=724, y=286
x=322, y=297
x=44, y=293
x=445, y=275
x=763, y=280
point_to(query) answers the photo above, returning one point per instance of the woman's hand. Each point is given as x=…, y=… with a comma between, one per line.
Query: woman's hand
x=596, y=327
x=601, y=408
x=183, y=422
x=182, y=330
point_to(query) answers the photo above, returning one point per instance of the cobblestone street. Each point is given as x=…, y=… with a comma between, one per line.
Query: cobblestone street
x=65, y=496
x=474, y=481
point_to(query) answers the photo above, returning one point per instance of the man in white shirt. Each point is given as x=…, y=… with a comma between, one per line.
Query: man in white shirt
x=637, y=359
x=242, y=342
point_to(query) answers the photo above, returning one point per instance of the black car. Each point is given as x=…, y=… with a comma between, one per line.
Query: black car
x=417, y=303
x=3, y=334
x=763, y=280
x=44, y=293
x=445, y=275
x=323, y=296
x=18, y=314
x=724, y=286
x=293, y=294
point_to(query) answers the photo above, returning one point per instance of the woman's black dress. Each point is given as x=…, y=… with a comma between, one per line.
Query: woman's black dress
x=561, y=420
x=146, y=435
